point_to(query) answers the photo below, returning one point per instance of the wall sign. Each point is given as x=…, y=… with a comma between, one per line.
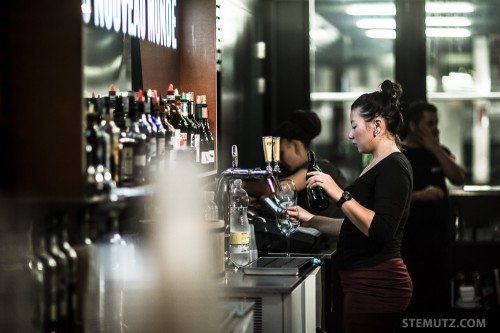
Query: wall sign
x=152, y=20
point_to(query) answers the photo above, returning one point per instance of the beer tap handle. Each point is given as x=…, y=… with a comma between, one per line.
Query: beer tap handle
x=234, y=155
x=276, y=155
x=267, y=145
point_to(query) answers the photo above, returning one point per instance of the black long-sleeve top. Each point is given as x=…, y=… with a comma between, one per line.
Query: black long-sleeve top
x=385, y=189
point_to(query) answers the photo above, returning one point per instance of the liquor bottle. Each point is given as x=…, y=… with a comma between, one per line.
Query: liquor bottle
x=94, y=149
x=150, y=133
x=192, y=127
x=211, y=142
x=47, y=266
x=239, y=244
x=108, y=125
x=119, y=114
x=195, y=135
x=316, y=196
x=88, y=275
x=169, y=128
x=104, y=158
x=72, y=260
x=182, y=123
x=161, y=132
x=62, y=274
x=139, y=144
x=204, y=137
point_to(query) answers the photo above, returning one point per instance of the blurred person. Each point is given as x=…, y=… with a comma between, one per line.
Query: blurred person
x=375, y=282
x=296, y=135
x=427, y=235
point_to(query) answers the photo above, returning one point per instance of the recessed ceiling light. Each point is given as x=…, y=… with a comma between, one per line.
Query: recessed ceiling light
x=380, y=23
x=381, y=33
x=441, y=21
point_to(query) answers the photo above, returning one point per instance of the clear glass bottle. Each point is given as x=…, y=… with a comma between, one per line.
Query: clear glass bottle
x=211, y=212
x=239, y=243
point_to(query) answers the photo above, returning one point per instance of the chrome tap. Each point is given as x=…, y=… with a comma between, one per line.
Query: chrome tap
x=269, y=176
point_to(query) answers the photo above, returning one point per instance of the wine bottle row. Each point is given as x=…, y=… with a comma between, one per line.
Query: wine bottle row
x=131, y=138
x=54, y=265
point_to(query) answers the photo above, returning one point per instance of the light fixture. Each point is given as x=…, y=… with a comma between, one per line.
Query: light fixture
x=372, y=9
x=447, y=32
x=378, y=23
x=448, y=21
x=449, y=7
x=381, y=33
x=389, y=9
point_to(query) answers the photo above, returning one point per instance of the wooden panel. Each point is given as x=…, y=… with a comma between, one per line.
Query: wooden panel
x=197, y=49
x=45, y=102
x=160, y=66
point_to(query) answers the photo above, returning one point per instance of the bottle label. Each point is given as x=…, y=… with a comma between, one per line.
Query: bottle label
x=211, y=156
x=183, y=139
x=140, y=160
x=240, y=238
x=205, y=157
x=127, y=161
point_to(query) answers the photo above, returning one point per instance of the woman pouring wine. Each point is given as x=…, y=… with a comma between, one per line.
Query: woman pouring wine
x=374, y=279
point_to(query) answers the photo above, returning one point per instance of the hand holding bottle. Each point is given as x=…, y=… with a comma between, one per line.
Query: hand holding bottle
x=325, y=181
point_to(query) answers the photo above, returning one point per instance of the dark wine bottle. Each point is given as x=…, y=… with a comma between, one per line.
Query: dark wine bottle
x=318, y=200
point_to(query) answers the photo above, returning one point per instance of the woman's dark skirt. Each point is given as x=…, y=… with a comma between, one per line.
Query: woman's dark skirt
x=375, y=296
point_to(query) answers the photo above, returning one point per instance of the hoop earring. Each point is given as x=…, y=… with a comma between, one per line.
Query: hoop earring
x=375, y=132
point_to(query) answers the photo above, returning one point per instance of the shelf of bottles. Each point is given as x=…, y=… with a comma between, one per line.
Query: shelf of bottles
x=133, y=137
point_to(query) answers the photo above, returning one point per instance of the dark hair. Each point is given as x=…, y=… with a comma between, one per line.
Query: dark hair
x=302, y=125
x=383, y=103
x=416, y=110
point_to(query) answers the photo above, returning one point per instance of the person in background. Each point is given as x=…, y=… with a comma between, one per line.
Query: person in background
x=374, y=279
x=427, y=236
x=296, y=135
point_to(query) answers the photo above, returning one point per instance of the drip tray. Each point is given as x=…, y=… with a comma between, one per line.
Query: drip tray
x=278, y=266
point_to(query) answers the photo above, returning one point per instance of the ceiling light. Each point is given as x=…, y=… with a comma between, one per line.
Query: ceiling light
x=372, y=9
x=388, y=23
x=389, y=9
x=449, y=7
x=447, y=32
x=440, y=21
x=381, y=33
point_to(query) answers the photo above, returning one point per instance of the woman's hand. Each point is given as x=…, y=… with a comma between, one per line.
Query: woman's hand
x=300, y=214
x=326, y=181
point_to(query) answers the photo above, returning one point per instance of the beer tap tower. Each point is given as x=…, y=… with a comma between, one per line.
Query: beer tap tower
x=269, y=175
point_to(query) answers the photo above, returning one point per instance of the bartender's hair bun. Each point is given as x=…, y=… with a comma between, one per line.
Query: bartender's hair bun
x=302, y=125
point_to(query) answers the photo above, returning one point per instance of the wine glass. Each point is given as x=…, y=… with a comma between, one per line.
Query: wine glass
x=286, y=197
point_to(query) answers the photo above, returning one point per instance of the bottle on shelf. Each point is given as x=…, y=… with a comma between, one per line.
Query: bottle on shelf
x=195, y=135
x=239, y=243
x=161, y=132
x=316, y=196
x=62, y=274
x=87, y=272
x=182, y=124
x=139, y=148
x=108, y=125
x=210, y=144
x=150, y=133
x=94, y=152
x=192, y=126
x=204, y=136
x=169, y=128
x=46, y=268
x=74, y=318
